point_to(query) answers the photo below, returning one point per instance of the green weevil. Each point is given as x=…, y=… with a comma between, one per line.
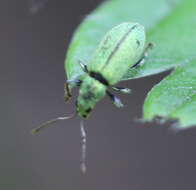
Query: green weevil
x=121, y=49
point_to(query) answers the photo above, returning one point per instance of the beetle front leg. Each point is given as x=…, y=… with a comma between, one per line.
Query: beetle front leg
x=67, y=92
x=69, y=84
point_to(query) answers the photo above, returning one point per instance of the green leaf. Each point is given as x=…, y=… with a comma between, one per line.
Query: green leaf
x=109, y=14
x=174, y=97
x=171, y=27
x=174, y=40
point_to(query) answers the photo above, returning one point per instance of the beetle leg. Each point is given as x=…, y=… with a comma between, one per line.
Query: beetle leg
x=141, y=61
x=74, y=82
x=83, y=66
x=67, y=92
x=122, y=90
x=117, y=102
x=67, y=88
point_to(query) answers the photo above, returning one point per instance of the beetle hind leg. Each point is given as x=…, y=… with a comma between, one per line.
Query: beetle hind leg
x=117, y=102
x=122, y=90
x=141, y=61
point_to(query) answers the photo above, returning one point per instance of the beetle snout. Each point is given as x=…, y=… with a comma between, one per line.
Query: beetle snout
x=86, y=113
x=83, y=110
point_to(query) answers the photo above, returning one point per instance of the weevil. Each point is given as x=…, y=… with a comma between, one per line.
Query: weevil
x=121, y=49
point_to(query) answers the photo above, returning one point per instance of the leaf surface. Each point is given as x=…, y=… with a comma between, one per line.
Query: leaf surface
x=171, y=27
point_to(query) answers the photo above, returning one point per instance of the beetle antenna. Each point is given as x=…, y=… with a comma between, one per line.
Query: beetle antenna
x=83, y=147
x=52, y=121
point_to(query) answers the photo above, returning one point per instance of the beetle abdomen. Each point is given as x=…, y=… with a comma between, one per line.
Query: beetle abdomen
x=120, y=48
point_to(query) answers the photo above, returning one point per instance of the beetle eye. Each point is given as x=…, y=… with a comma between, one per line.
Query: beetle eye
x=88, y=110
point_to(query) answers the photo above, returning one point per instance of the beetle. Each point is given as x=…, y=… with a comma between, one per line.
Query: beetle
x=121, y=49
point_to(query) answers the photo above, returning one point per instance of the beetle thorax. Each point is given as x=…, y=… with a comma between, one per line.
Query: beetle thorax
x=91, y=91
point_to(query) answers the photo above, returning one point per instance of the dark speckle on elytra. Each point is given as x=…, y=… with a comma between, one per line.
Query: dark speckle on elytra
x=138, y=43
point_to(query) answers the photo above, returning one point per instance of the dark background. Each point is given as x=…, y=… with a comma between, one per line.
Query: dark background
x=122, y=154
